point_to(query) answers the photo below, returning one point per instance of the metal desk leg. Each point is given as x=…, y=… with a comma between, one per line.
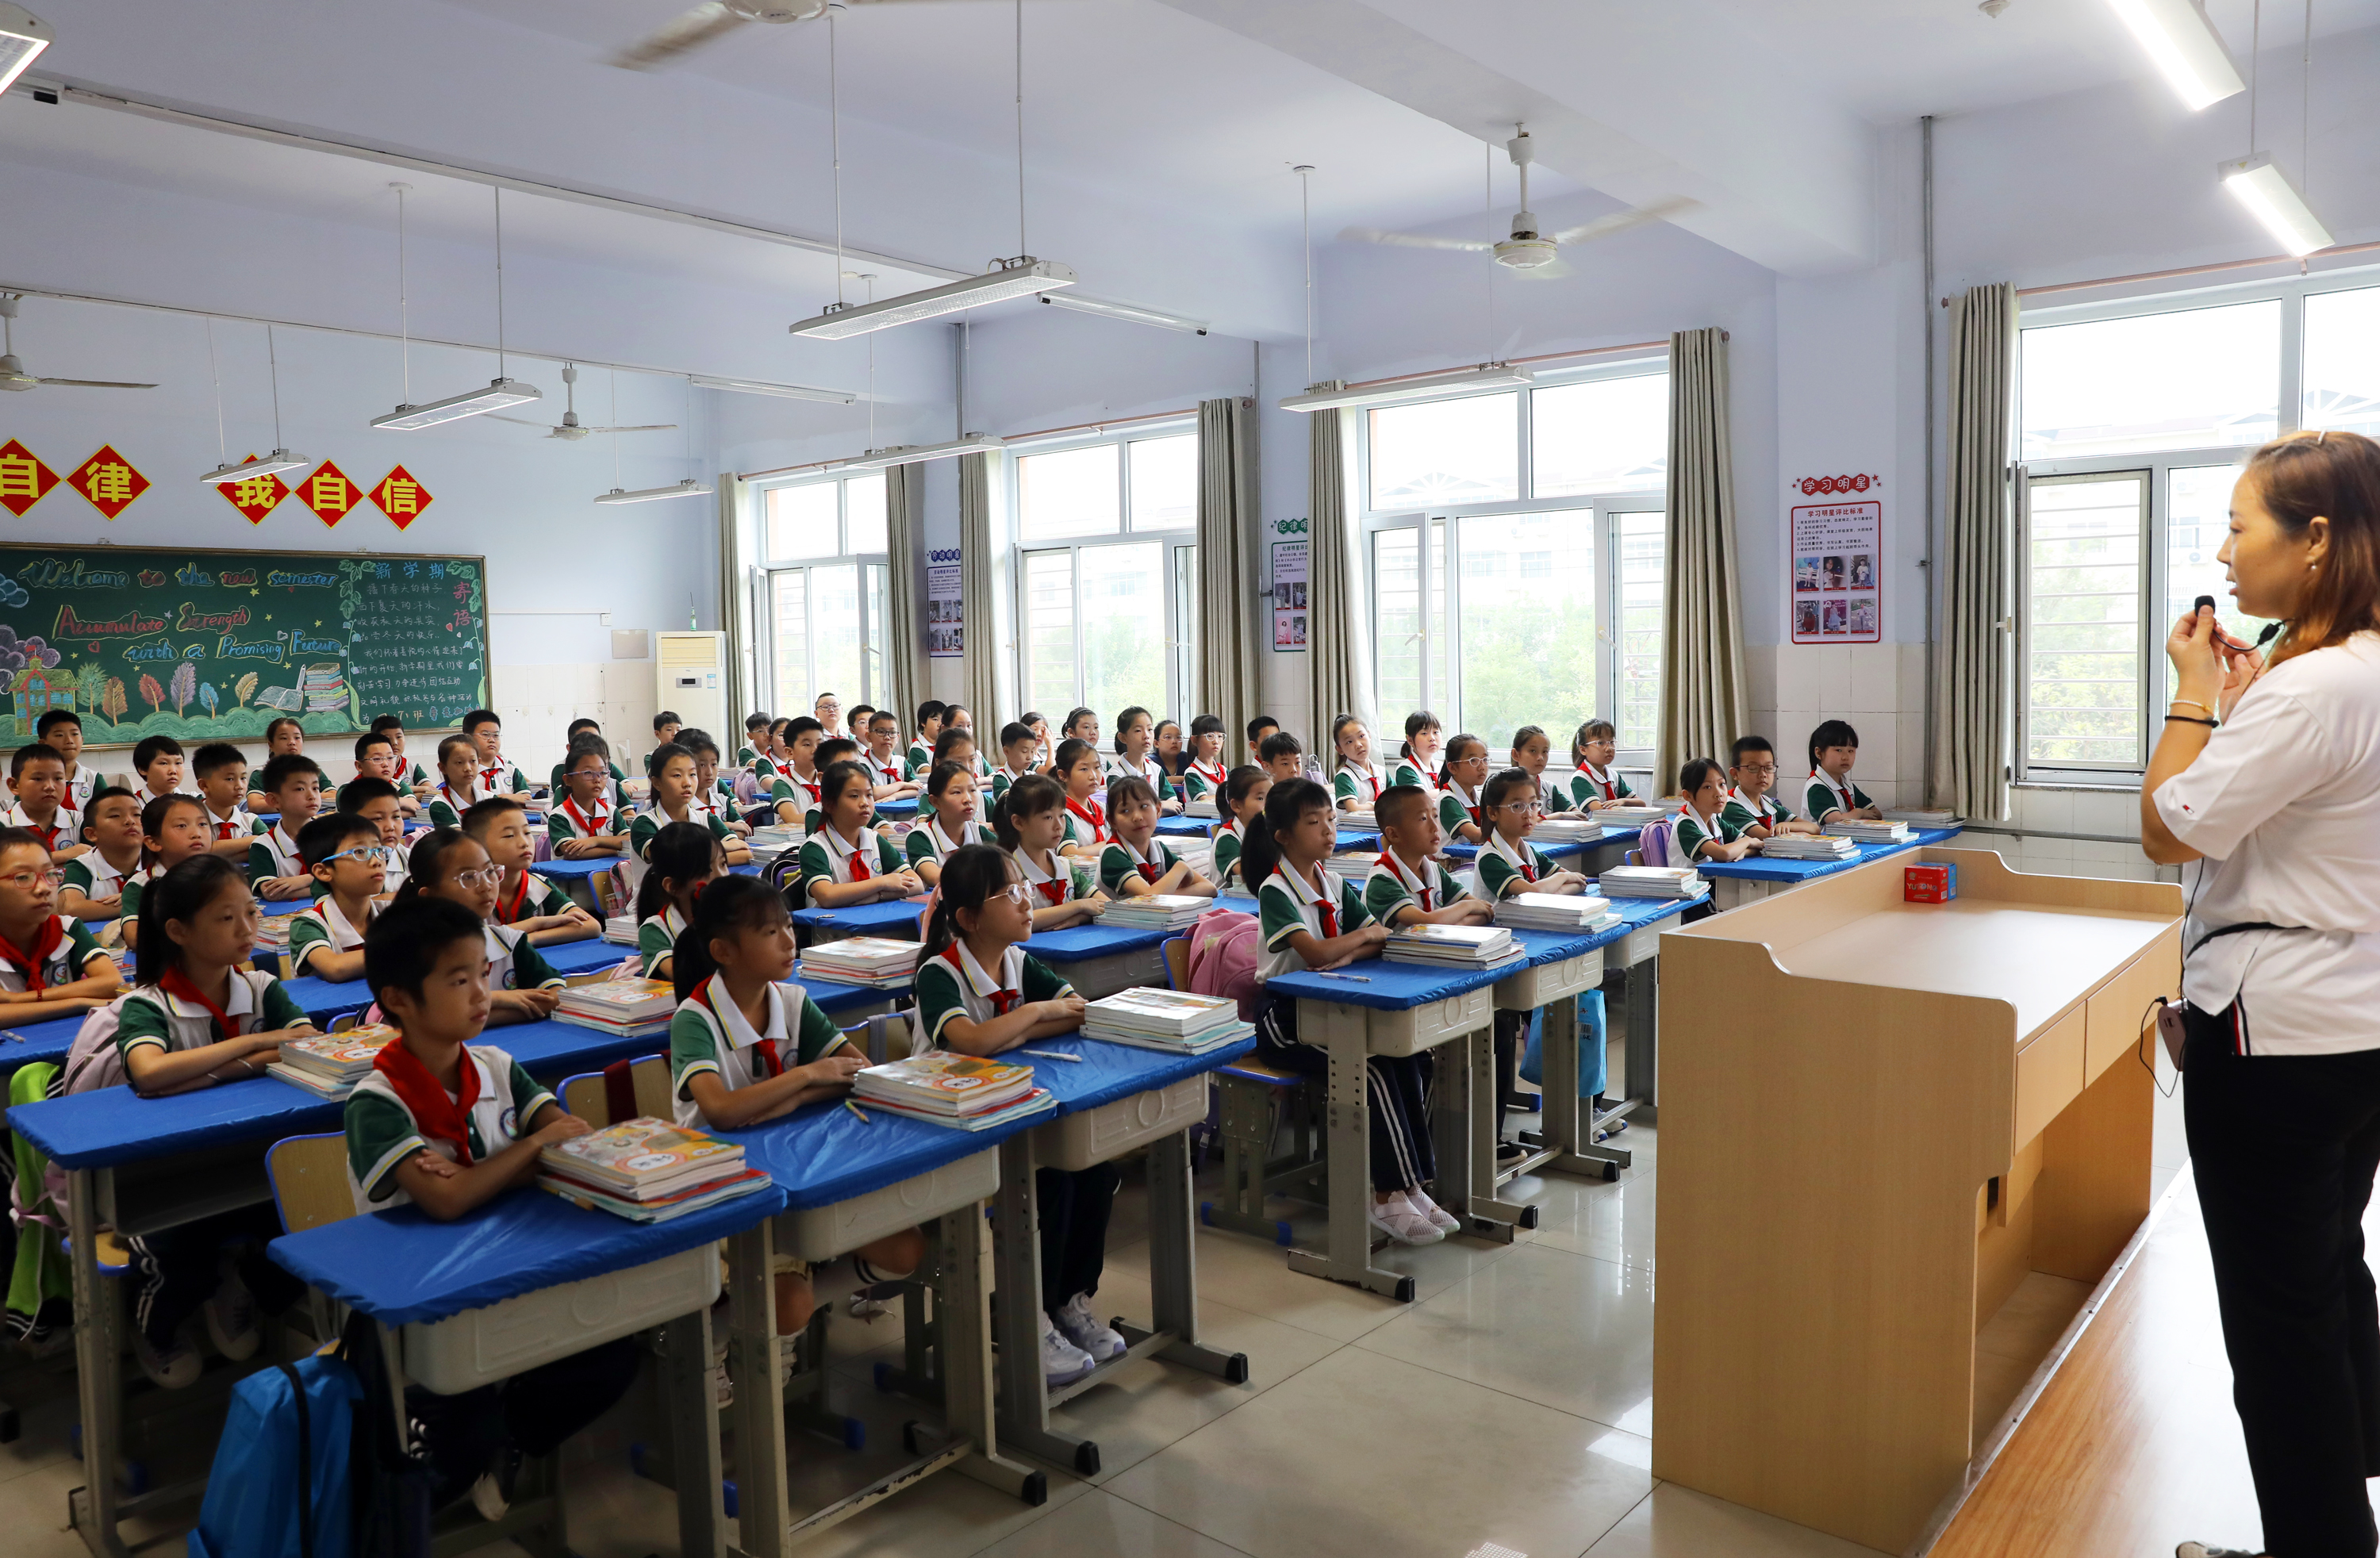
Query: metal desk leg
x=1642, y=1004
x=1173, y=1265
x=1341, y=1032
x=99, y=1360
x=759, y=1399
x=1568, y=1132
x=965, y=1314
x=1024, y=1391
x=1473, y=1139
x=694, y=1436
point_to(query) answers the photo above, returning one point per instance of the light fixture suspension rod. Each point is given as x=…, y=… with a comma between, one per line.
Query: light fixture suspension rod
x=222, y=450
x=2305, y=98
x=273, y=358
x=1306, y=237
x=835, y=124
x=2256, y=61
x=500, y=281
x=404, y=303
x=1022, y=248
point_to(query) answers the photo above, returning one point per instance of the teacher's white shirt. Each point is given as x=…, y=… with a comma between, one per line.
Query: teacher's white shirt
x=2284, y=804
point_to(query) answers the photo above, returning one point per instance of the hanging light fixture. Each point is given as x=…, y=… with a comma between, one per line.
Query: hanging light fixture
x=2182, y=43
x=501, y=390
x=2256, y=180
x=24, y=36
x=689, y=488
x=274, y=464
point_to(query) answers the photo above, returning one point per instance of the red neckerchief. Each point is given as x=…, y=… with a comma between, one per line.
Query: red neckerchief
x=812, y=785
x=1147, y=869
x=764, y=1048
x=1214, y=777
x=1453, y=787
x=858, y=863
x=1364, y=776
x=1520, y=860
x=1053, y=891
x=886, y=767
x=49, y=835
x=586, y=825
x=1002, y=1001
x=34, y=962
x=434, y=1114
x=521, y=901
x=222, y=830
x=460, y=806
x=1609, y=787
x=177, y=984
x=488, y=775
x=1096, y=817
x=1842, y=793
x=1421, y=889
x=1322, y=900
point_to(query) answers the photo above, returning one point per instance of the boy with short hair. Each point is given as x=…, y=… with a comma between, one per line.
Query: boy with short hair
x=376, y=757
x=158, y=761
x=498, y=773
x=539, y=908
x=93, y=887
x=404, y=774
x=37, y=777
x=222, y=770
x=348, y=866
x=921, y=762
x=275, y=868
x=378, y=803
x=1018, y=748
x=713, y=797
x=50, y=966
x=1260, y=728
x=1409, y=886
x=61, y=731
x=1281, y=756
x=1751, y=807
x=797, y=784
x=666, y=725
x=755, y=741
x=889, y=774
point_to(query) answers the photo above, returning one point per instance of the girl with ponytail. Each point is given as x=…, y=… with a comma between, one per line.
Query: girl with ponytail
x=1418, y=759
x=1030, y=825
x=682, y=859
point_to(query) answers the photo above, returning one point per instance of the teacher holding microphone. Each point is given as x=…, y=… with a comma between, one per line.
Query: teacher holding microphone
x=2265, y=783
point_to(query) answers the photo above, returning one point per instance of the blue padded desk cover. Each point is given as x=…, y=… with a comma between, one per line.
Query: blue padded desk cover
x=1757, y=869
x=896, y=918
x=38, y=1040
x=325, y=999
x=1396, y=986
x=563, y=871
x=1109, y=1071
x=1458, y=850
x=1077, y=943
x=824, y=1153
x=1184, y=827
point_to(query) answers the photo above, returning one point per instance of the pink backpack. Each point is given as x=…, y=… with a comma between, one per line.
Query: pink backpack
x=1658, y=843
x=1223, y=946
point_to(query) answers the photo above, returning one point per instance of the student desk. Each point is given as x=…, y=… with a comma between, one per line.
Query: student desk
x=1816, y=1328
x=1186, y=827
x=1737, y=882
x=1099, y=960
x=895, y=917
x=1640, y=999
x=1567, y=854
x=325, y=999
x=577, y=877
x=34, y=1041
x=529, y=1278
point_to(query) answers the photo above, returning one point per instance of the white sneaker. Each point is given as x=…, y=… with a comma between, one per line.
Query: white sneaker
x=487, y=1497
x=1062, y=1363
x=1400, y=1221
x=1085, y=1331
x=1445, y=1220
x=723, y=1389
x=173, y=1368
x=231, y=1320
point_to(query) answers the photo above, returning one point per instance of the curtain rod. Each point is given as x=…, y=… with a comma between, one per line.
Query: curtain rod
x=1100, y=426
x=2209, y=268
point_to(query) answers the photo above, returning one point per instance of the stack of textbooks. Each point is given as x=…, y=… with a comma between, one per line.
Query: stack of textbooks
x=1651, y=881
x=631, y=1008
x=329, y=1065
x=272, y=934
x=1454, y=946
x=1360, y=818
x=1631, y=816
x=968, y=1092
x=1555, y=911
x=647, y=1170
x=1806, y=847
x=1204, y=806
x=1355, y=863
x=1568, y=827
x=768, y=843
x=621, y=929
x=1176, y=1020
x=1922, y=817
x=1863, y=832
x=1155, y=911
x=877, y=962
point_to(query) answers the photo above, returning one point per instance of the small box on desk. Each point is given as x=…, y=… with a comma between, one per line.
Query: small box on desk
x=1930, y=885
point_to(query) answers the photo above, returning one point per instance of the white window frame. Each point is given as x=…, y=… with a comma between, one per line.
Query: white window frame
x=874, y=630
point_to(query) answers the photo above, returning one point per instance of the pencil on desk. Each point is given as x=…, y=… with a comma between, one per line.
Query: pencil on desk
x=856, y=1110
x=1054, y=1054
x=1327, y=974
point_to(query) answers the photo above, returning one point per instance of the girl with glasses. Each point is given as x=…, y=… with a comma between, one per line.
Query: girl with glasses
x=448, y=863
x=50, y=966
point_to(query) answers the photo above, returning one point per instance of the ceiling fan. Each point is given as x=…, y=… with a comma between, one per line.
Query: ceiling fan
x=570, y=428
x=1528, y=253
x=715, y=18
x=12, y=372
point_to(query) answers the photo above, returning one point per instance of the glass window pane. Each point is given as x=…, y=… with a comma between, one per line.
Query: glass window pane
x=1049, y=631
x=1612, y=435
x=790, y=625
x=1446, y=452
x=1439, y=690
x=1164, y=473
x=863, y=514
x=1528, y=622
x=801, y=521
x=2196, y=379
x=1186, y=629
x=2197, y=516
x=1072, y=492
x=2083, y=633
x=1123, y=628
x=876, y=685
x=1644, y=546
x=2342, y=363
x=834, y=620
x=1396, y=621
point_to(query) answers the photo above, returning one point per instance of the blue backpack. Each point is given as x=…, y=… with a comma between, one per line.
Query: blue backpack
x=280, y=1487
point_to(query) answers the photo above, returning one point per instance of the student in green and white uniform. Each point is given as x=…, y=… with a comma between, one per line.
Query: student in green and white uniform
x=446, y=809
x=1136, y=863
x=1204, y=770
x=657, y=941
x=95, y=877
x=952, y=984
x=710, y=1034
x=1743, y=811
x=1417, y=760
x=949, y=823
x=1507, y=866
x=1357, y=789
x=1318, y=901
x=681, y=860
x=671, y=772
x=648, y=824
x=514, y=962
x=1593, y=750
x=1119, y=861
x=1031, y=827
x=1752, y=802
x=323, y=928
x=1834, y=747
x=1394, y=884
x=274, y=852
x=872, y=864
x=59, y=958
x=1703, y=830
x=1460, y=802
x=1531, y=750
x=382, y=1132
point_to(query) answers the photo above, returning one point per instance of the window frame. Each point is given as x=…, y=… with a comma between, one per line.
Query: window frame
x=874, y=573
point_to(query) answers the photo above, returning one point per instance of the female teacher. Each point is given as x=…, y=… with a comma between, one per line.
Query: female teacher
x=2267, y=781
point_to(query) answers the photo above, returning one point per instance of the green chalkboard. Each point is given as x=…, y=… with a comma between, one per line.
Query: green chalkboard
x=206, y=646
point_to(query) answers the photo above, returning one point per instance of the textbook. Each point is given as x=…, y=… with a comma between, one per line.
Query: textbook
x=1555, y=911
x=943, y=1084
x=1202, y=806
x=621, y=930
x=1922, y=817
x=878, y=962
x=1155, y=911
x=1040, y=1101
x=647, y=1170
x=631, y=1008
x=1631, y=816
x=1864, y=832
x=1165, y=1012
x=329, y=1065
x=1454, y=946
x=1361, y=817
x=1805, y=847
x=1568, y=827
x=1651, y=881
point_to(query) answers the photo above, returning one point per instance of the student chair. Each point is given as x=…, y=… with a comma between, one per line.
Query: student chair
x=1247, y=1093
x=622, y=1090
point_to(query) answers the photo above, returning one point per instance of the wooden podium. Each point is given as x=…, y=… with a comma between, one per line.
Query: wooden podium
x=1876, y=1116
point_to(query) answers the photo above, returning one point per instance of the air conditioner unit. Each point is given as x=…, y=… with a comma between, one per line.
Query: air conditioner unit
x=692, y=681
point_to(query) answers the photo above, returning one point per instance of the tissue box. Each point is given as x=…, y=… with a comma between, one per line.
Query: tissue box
x=1930, y=885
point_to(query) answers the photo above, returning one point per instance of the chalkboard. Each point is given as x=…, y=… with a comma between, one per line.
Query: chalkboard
x=213, y=646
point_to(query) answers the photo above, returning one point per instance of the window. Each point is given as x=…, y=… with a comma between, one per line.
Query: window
x=1536, y=597
x=2082, y=649
x=826, y=581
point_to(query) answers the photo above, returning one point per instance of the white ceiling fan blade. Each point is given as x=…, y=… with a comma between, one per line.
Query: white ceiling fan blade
x=1552, y=270
x=1620, y=220
x=690, y=29
x=94, y=384
x=1411, y=241
x=642, y=427
x=516, y=421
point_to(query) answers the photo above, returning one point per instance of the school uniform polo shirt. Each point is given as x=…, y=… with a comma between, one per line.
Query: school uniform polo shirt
x=952, y=984
x=885, y=770
x=1050, y=888
x=1119, y=861
x=827, y=856
x=274, y=852
x=656, y=937
x=1087, y=822
x=1287, y=904
x=80, y=785
x=325, y=929
x=1593, y=784
x=709, y=1033
x=534, y=896
x=1504, y=869
x=1742, y=812
x=1200, y=781
x=1457, y=806
x=1148, y=768
x=1358, y=784
x=90, y=875
x=746, y=756
x=129, y=901
x=647, y=826
x=240, y=824
x=1822, y=796
x=256, y=1004
x=501, y=777
x=64, y=829
x=569, y=821
x=790, y=786
x=62, y=963
x=919, y=759
x=383, y=1133
x=1407, y=771
x=928, y=842
x=1004, y=779
x=446, y=808
x=1228, y=842
x=414, y=774
x=1393, y=884
x=1551, y=797
x=514, y=962
x=1694, y=831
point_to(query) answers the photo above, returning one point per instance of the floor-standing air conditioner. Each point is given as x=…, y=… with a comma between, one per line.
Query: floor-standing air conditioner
x=692, y=668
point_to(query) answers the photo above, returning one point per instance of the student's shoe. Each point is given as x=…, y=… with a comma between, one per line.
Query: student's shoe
x=1403, y=1223
x=1083, y=1328
x=1062, y=1363
x=1510, y=1153
x=488, y=1496
x=723, y=1388
x=1612, y=1129
x=175, y=1368
x=2200, y=1550
x=1437, y=1215
x=231, y=1320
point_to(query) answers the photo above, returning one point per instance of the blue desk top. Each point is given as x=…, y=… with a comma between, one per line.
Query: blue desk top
x=282, y=906
x=825, y=1153
x=325, y=999
x=1077, y=943
x=1458, y=850
x=1755, y=869
x=896, y=918
x=1109, y=1071
x=1396, y=986
x=1186, y=827
x=31, y=1041
x=563, y=871
x=402, y=1268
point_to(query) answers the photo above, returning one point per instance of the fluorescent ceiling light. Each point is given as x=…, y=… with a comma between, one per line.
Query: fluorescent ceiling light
x=2181, y=41
x=1492, y=375
x=24, y=36
x=689, y=487
x=2261, y=185
x=499, y=393
x=884, y=459
x=1126, y=312
x=273, y=463
x=1026, y=276
x=757, y=386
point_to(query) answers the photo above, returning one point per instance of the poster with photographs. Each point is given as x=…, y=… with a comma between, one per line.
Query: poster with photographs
x=1838, y=552
x=1289, y=578
x=946, y=625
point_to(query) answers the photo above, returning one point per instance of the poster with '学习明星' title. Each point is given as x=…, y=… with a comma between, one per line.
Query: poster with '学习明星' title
x=1836, y=554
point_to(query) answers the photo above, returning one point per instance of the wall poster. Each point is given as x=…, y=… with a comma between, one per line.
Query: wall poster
x=1837, y=559
x=945, y=617
x=1289, y=581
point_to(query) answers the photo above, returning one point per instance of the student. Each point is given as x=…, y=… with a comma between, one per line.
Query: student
x=446, y=1123
x=669, y=770
x=844, y=864
x=1417, y=760
x=666, y=725
x=957, y=744
x=37, y=777
x=172, y=829
x=283, y=737
x=61, y=731
x=588, y=823
x=1081, y=725
x=1598, y=785
x=50, y=965
x=1171, y=754
x=158, y=761
x=498, y=773
x=584, y=732
x=407, y=774
x=1703, y=829
x=1508, y=862
x=860, y=719
x=378, y=803
x=1460, y=785
x=1283, y=756
x=448, y=864
x=344, y=858
x=1260, y=728
x=458, y=782
x=292, y=790
x=1202, y=770
x=1043, y=750
x=1136, y=753
x=796, y=789
x=1353, y=782
x=754, y=749
x=1531, y=750
x=1020, y=752
x=832, y=750
x=979, y=992
x=525, y=902
x=94, y=880
x=1244, y=794
x=887, y=774
x=222, y=770
x=1029, y=823
x=197, y=1015
x=1309, y=920
x=713, y=797
x=955, y=717
x=1751, y=807
x=682, y=859
x=1409, y=886
x=1136, y=863
x=953, y=820
x=1830, y=796
x=774, y=753
x=1077, y=768
x=921, y=750
x=375, y=757
x=828, y=711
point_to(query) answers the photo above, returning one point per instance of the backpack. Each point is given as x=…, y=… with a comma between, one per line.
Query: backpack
x=1223, y=947
x=40, y=1285
x=1656, y=845
x=281, y=1486
x=93, y=1061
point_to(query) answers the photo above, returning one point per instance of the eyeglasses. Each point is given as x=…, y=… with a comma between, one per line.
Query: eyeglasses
x=1759, y=768
x=369, y=854
x=1518, y=806
x=489, y=876
x=25, y=882
x=1018, y=894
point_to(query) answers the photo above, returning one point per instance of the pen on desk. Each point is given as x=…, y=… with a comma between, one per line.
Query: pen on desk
x=856, y=1110
x=1327, y=974
x=1053, y=1055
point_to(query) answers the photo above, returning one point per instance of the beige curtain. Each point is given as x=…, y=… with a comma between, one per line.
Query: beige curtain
x=1338, y=631
x=1702, y=702
x=732, y=614
x=1231, y=620
x=978, y=592
x=904, y=681
x=1973, y=689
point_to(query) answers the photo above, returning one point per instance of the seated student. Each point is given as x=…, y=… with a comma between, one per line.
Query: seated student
x=713, y=796
x=1283, y=756
x=777, y=755
x=1309, y=920
x=1079, y=770
x=525, y=902
x=197, y=1014
x=376, y=758
x=581, y=731
x=754, y=749
x=1020, y=754
x=1244, y=793
x=1029, y=823
x=446, y=1123
x=666, y=725
x=955, y=717
x=1173, y=751
x=284, y=737
x=498, y=773
x=1410, y=886
x=404, y=772
x=921, y=760
x=1081, y=725
x=843, y=863
x=222, y=770
x=832, y=750
x=860, y=719
x=588, y=823
x=378, y=803
x=796, y=788
x=1044, y=750
x=1531, y=750
x=1135, y=755
x=172, y=829
x=1703, y=829
x=50, y=965
x=449, y=864
x=1830, y=796
x=953, y=820
x=1354, y=783
x=886, y=772
x=37, y=777
x=1258, y=728
x=1136, y=863
x=1202, y=766
x=1460, y=786
x=292, y=790
x=979, y=992
x=94, y=880
x=827, y=708
x=344, y=855
x=1751, y=806
x=1419, y=758
x=61, y=731
x=158, y=762
x=682, y=859
x=1598, y=785
x=457, y=789
x=671, y=773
